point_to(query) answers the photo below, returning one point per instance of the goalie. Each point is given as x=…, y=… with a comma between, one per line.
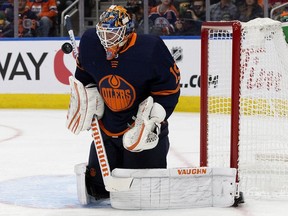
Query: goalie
x=131, y=83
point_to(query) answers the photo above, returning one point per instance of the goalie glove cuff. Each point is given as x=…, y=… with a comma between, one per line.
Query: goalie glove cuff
x=144, y=134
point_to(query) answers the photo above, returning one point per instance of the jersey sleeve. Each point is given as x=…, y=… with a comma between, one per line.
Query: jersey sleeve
x=81, y=74
x=165, y=88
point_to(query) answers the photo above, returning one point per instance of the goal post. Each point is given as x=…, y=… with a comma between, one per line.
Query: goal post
x=244, y=103
x=224, y=30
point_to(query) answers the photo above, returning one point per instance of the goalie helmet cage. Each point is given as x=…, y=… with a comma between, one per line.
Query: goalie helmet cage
x=244, y=104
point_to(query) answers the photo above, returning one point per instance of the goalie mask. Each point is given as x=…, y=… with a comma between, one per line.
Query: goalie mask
x=114, y=29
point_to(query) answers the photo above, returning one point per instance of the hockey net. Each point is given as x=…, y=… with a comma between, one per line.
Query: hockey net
x=244, y=104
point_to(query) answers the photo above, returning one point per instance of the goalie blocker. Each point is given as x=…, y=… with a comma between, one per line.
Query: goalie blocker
x=169, y=188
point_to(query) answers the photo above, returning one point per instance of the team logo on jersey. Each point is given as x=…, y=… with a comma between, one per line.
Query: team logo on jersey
x=177, y=53
x=117, y=93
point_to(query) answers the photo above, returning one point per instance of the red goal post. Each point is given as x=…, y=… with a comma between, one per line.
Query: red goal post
x=244, y=103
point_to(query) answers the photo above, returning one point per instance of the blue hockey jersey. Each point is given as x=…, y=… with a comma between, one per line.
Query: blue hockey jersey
x=143, y=68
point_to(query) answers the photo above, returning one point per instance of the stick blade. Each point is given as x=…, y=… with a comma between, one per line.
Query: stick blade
x=67, y=23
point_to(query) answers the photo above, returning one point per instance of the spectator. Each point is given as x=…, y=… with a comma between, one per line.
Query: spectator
x=27, y=23
x=135, y=10
x=224, y=10
x=46, y=11
x=182, y=7
x=250, y=10
x=7, y=7
x=192, y=19
x=27, y=20
x=6, y=28
x=284, y=16
x=163, y=18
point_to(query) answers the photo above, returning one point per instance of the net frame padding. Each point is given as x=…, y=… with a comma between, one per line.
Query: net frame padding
x=244, y=113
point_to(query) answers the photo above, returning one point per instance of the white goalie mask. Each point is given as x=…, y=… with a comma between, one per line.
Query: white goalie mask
x=114, y=29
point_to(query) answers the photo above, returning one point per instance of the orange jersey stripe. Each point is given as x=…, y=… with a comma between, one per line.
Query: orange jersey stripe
x=167, y=92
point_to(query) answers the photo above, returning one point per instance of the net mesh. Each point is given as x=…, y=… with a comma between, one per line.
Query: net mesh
x=263, y=123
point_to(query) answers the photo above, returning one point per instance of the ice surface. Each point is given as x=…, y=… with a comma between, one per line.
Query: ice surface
x=37, y=158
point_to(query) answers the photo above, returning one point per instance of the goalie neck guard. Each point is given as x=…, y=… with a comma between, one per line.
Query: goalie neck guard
x=114, y=29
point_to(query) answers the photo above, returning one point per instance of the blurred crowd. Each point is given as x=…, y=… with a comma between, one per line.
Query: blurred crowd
x=41, y=18
x=36, y=18
x=185, y=17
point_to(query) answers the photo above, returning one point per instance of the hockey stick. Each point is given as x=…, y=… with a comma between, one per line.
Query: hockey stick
x=112, y=184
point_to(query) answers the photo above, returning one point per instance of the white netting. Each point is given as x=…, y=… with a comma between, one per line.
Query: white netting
x=263, y=124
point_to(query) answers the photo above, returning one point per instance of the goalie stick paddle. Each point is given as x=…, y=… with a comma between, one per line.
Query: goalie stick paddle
x=112, y=184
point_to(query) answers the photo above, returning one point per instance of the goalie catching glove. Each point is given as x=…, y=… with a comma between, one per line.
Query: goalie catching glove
x=85, y=102
x=144, y=134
